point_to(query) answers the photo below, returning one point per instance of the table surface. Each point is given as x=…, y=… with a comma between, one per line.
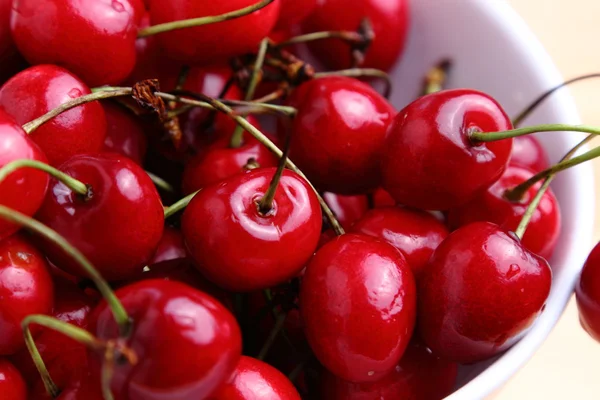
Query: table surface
x=568, y=363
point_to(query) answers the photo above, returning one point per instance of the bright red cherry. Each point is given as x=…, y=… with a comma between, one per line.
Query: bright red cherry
x=177, y=326
x=347, y=209
x=25, y=288
x=253, y=380
x=37, y=90
x=480, y=292
x=428, y=160
x=105, y=33
x=338, y=133
x=197, y=45
x=491, y=205
x=293, y=11
x=12, y=385
x=237, y=246
x=415, y=233
x=24, y=189
x=117, y=228
x=170, y=247
x=381, y=198
x=420, y=375
x=358, y=300
x=587, y=293
x=390, y=21
x=528, y=152
x=124, y=134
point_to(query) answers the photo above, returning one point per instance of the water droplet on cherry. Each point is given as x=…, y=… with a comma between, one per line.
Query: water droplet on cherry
x=513, y=270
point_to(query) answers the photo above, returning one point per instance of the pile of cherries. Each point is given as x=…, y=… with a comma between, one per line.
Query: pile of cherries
x=156, y=242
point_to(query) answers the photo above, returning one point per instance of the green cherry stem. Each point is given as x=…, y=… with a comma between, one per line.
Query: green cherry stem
x=361, y=73
x=265, y=204
x=157, y=180
x=72, y=183
x=179, y=205
x=195, y=22
x=494, y=136
x=347, y=36
x=277, y=328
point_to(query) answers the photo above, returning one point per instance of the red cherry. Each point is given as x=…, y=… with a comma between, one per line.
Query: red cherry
x=381, y=198
x=24, y=189
x=37, y=90
x=428, y=160
x=357, y=299
x=491, y=205
x=587, y=293
x=12, y=385
x=480, y=292
x=414, y=232
x=10, y=59
x=420, y=375
x=390, y=21
x=254, y=379
x=124, y=134
x=528, y=152
x=347, y=209
x=25, y=288
x=118, y=228
x=197, y=45
x=87, y=388
x=170, y=247
x=174, y=325
x=293, y=11
x=338, y=133
x=147, y=60
x=84, y=37
x=239, y=248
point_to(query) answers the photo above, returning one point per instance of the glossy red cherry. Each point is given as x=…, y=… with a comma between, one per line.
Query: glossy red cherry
x=428, y=160
x=170, y=247
x=414, y=232
x=293, y=11
x=390, y=21
x=105, y=32
x=338, y=133
x=148, y=61
x=587, y=293
x=381, y=198
x=124, y=134
x=240, y=248
x=37, y=90
x=357, y=299
x=347, y=209
x=420, y=375
x=87, y=388
x=25, y=288
x=197, y=45
x=24, y=189
x=174, y=325
x=528, y=152
x=491, y=205
x=118, y=228
x=12, y=385
x=480, y=292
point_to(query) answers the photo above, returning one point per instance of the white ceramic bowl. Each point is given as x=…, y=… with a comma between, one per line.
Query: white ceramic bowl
x=494, y=51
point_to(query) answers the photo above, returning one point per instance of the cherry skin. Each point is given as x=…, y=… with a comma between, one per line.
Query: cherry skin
x=175, y=325
x=37, y=90
x=381, y=198
x=587, y=293
x=83, y=386
x=354, y=286
x=292, y=12
x=170, y=247
x=105, y=30
x=390, y=21
x=347, y=209
x=428, y=160
x=415, y=233
x=10, y=59
x=491, y=205
x=420, y=375
x=528, y=152
x=124, y=134
x=25, y=288
x=24, y=189
x=253, y=380
x=241, y=249
x=338, y=133
x=12, y=385
x=117, y=228
x=147, y=60
x=479, y=293
x=197, y=45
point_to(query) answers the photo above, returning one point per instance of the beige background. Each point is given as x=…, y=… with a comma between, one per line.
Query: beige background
x=568, y=364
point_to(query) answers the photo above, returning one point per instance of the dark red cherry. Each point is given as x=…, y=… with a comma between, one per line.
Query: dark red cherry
x=587, y=293
x=381, y=198
x=174, y=325
x=338, y=133
x=420, y=375
x=10, y=59
x=124, y=133
x=37, y=90
x=237, y=246
x=25, y=288
x=24, y=189
x=197, y=45
x=253, y=380
x=390, y=21
x=12, y=385
x=293, y=11
x=528, y=152
x=83, y=386
x=148, y=61
x=84, y=37
x=118, y=228
x=428, y=160
x=358, y=299
x=415, y=233
x=480, y=292
x=491, y=205
x=347, y=209
x=170, y=247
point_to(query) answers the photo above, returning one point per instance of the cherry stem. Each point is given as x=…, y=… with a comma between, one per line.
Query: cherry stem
x=107, y=372
x=346, y=36
x=494, y=136
x=296, y=371
x=265, y=204
x=436, y=77
x=179, y=205
x=157, y=180
x=361, y=73
x=279, y=323
x=72, y=183
x=52, y=236
x=196, y=22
